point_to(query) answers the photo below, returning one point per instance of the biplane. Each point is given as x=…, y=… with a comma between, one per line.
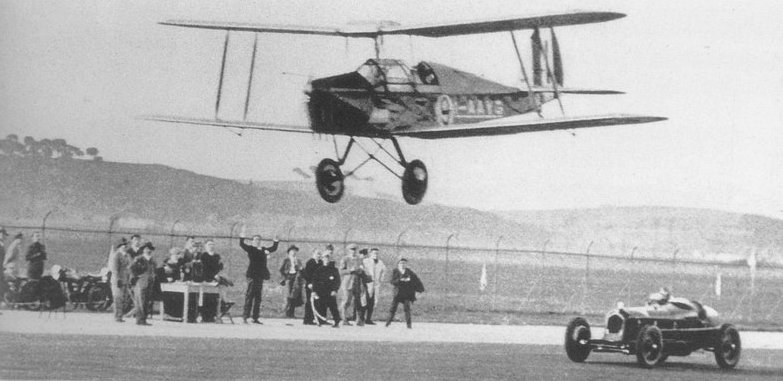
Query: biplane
x=384, y=99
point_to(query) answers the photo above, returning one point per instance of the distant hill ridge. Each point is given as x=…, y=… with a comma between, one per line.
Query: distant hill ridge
x=87, y=193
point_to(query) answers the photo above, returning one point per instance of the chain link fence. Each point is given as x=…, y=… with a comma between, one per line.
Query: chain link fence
x=460, y=279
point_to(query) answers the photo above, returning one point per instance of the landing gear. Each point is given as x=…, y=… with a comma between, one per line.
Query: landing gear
x=414, y=182
x=330, y=179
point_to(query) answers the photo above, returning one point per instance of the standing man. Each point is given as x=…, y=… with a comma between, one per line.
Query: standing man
x=256, y=274
x=13, y=254
x=143, y=277
x=406, y=285
x=325, y=286
x=290, y=270
x=376, y=269
x=119, y=265
x=212, y=266
x=348, y=266
x=135, y=246
x=3, y=236
x=309, y=276
x=189, y=250
x=36, y=255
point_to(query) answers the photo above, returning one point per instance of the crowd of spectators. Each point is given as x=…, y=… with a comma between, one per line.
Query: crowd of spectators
x=317, y=285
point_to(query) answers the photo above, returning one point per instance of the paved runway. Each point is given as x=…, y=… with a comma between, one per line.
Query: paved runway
x=93, y=346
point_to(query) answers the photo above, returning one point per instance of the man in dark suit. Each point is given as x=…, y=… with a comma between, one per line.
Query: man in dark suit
x=309, y=276
x=256, y=274
x=406, y=284
x=325, y=286
x=36, y=255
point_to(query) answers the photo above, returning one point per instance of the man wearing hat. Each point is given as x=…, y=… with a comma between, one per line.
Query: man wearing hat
x=12, y=255
x=143, y=276
x=36, y=255
x=376, y=269
x=291, y=270
x=308, y=274
x=348, y=266
x=325, y=285
x=119, y=263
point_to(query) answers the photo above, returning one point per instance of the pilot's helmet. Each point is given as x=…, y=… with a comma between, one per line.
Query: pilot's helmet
x=660, y=297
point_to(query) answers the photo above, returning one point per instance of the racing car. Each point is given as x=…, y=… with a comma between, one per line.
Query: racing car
x=666, y=326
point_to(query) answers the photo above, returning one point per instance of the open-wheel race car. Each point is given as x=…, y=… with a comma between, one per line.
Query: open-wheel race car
x=666, y=326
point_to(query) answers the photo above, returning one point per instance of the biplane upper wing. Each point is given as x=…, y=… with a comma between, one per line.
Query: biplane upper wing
x=458, y=28
x=506, y=126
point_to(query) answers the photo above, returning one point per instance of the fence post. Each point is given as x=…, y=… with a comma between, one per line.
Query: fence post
x=674, y=268
x=586, y=281
x=345, y=238
x=495, y=282
x=397, y=244
x=112, y=220
x=543, y=251
x=448, y=286
x=630, y=284
x=171, y=233
x=43, y=224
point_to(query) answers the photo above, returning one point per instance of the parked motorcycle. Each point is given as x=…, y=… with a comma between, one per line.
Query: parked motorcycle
x=90, y=290
x=33, y=294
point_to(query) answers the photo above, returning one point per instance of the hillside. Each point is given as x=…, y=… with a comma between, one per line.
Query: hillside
x=88, y=193
x=154, y=197
x=692, y=233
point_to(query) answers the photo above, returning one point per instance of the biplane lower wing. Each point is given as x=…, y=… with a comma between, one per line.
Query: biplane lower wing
x=506, y=127
x=230, y=124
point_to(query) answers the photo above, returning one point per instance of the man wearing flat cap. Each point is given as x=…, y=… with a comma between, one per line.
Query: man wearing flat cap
x=143, y=276
x=119, y=265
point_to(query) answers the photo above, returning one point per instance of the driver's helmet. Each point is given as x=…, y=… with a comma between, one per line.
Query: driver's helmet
x=661, y=297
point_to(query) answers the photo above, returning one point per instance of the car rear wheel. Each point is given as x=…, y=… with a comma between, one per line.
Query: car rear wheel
x=728, y=347
x=577, y=340
x=649, y=346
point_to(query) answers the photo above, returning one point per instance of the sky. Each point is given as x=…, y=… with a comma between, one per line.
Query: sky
x=85, y=71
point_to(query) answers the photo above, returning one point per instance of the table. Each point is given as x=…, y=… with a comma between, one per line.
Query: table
x=187, y=288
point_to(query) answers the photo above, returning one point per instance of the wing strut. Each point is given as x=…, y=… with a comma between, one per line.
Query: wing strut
x=222, y=73
x=537, y=40
x=524, y=75
x=250, y=77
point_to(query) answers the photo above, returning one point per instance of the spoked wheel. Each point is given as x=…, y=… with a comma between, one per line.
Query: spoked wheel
x=728, y=347
x=329, y=180
x=414, y=182
x=649, y=346
x=98, y=298
x=577, y=340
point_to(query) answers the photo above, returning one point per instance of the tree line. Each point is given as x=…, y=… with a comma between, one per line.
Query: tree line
x=44, y=148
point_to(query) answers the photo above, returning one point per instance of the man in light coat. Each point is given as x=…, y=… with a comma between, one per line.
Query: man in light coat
x=376, y=269
x=348, y=266
x=119, y=265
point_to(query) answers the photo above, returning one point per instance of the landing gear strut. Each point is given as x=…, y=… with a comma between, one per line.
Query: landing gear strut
x=330, y=179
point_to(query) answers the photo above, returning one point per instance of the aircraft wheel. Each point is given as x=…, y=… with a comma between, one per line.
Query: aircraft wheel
x=414, y=182
x=577, y=340
x=728, y=347
x=649, y=346
x=329, y=180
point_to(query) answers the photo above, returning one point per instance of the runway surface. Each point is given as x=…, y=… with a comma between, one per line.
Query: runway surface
x=93, y=346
